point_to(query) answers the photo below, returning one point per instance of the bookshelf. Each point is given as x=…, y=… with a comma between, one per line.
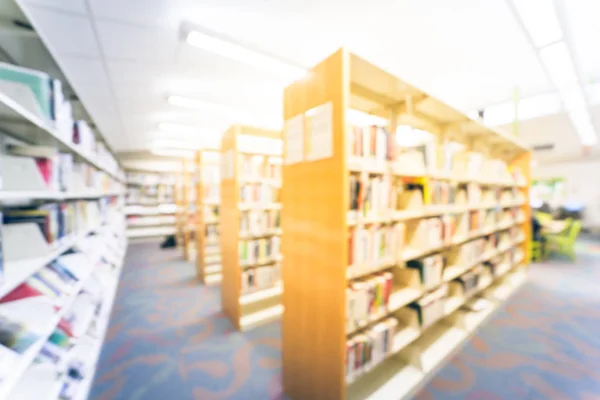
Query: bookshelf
x=63, y=236
x=406, y=225
x=150, y=204
x=208, y=199
x=249, y=225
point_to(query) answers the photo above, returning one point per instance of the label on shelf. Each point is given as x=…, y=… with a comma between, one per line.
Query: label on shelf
x=320, y=132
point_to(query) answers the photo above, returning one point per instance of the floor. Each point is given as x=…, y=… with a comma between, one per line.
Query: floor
x=168, y=340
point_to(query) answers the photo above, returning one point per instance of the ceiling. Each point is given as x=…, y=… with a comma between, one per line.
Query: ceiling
x=123, y=57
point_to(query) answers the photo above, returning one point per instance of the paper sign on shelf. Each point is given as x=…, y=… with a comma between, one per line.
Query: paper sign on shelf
x=319, y=121
x=294, y=131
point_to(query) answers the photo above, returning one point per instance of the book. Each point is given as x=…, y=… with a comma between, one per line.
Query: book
x=368, y=349
x=46, y=217
x=22, y=291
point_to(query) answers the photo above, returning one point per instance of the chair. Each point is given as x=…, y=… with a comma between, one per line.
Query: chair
x=564, y=243
x=543, y=217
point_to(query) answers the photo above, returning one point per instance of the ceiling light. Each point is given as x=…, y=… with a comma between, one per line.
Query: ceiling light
x=582, y=122
x=189, y=102
x=559, y=65
x=235, y=115
x=540, y=20
x=244, y=55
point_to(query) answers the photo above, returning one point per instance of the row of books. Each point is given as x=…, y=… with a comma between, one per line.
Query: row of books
x=49, y=288
x=370, y=247
x=366, y=298
x=150, y=194
x=57, y=220
x=381, y=195
x=259, y=193
x=256, y=167
x=150, y=179
x=44, y=168
x=430, y=307
x=367, y=247
x=51, y=106
x=259, y=222
x=369, y=348
x=430, y=270
x=372, y=142
x=256, y=279
x=376, y=145
x=259, y=251
x=78, y=327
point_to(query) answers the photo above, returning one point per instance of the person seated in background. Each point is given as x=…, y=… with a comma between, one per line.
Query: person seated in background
x=536, y=228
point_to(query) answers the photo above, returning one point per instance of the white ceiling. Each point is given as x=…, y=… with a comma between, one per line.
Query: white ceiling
x=123, y=57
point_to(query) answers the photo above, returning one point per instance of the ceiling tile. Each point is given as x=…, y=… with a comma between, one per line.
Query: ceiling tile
x=582, y=21
x=64, y=34
x=136, y=72
x=129, y=42
x=141, y=12
x=82, y=70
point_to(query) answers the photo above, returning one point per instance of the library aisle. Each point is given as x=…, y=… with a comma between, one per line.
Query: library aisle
x=168, y=339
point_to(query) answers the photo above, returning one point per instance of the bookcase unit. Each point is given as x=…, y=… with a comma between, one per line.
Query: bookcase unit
x=249, y=225
x=150, y=204
x=395, y=250
x=208, y=200
x=63, y=239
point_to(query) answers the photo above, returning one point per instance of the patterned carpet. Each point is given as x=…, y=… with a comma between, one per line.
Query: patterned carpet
x=168, y=340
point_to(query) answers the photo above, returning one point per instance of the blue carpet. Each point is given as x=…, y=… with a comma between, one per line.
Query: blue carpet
x=168, y=340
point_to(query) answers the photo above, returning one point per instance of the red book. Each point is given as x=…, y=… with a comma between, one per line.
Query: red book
x=20, y=292
x=45, y=167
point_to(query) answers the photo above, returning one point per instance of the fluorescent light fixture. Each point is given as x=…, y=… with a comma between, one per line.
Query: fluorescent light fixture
x=573, y=98
x=558, y=63
x=168, y=127
x=244, y=55
x=235, y=115
x=582, y=122
x=540, y=20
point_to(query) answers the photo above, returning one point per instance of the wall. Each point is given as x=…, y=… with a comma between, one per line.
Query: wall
x=582, y=183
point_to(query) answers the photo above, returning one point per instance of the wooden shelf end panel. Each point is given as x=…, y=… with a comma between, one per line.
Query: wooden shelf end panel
x=314, y=242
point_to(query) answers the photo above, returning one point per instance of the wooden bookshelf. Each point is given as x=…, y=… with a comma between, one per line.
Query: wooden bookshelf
x=249, y=226
x=451, y=239
x=208, y=252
